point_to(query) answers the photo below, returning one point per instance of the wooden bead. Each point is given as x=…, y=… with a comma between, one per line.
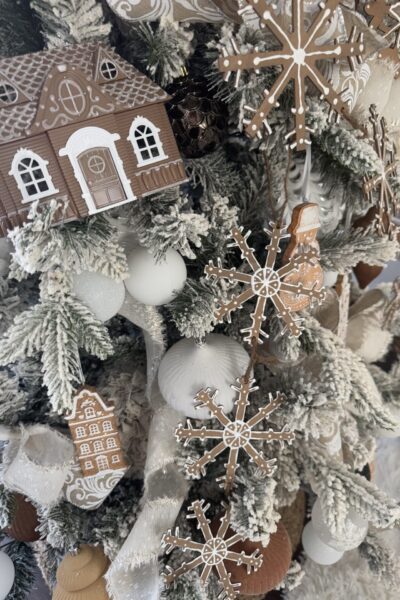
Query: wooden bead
x=25, y=521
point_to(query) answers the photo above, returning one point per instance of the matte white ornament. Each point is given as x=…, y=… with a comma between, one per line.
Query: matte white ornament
x=355, y=529
x=330, y=278
x=155, y=282
x=316, y=549
x=7, y=575
x=5, y=249
x=188, y=367
x=102, y=295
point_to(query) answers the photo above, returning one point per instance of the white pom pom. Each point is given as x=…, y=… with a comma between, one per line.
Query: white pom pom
x=188, y=367
x=316, y=549
x=7, y=574
x=104, y=296
x=355, y=529
x=155, y=282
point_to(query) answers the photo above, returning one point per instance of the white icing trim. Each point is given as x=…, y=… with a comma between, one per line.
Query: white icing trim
x=92, y=137
x=155, y=132
x=14, y=172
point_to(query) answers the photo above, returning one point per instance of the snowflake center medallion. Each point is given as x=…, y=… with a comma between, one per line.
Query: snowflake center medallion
x=237, y=434
x=214, y=551
x=299, y=56
x=265, y=282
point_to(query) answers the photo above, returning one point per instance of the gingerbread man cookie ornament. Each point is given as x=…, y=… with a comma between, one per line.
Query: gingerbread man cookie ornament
x=303, y=229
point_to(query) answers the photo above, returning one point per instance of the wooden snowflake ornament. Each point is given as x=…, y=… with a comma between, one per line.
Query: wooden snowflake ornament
x=212, y=553
x=299, y=59
x=385, y=16
x=235, y=433
x=387, y=202
x=266, y=282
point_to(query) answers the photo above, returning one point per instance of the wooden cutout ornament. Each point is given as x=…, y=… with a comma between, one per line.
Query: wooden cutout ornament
x=100, y=463
x=266, y=282
x=383, y=14
x=387, y=202
x=235, y=433
x=299, y=60
x=303, y=229
x=213, y=553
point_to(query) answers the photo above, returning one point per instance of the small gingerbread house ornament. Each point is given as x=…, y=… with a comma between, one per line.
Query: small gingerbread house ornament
x=81, y=124
x=94, y=430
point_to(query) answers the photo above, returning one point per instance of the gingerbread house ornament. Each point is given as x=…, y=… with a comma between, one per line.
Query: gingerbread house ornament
x=81, y=124
x=94, y=430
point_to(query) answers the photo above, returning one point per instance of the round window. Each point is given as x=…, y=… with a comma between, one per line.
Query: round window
x=8, y=93
x=96, y=164
x=72, y=97
x=108, y=70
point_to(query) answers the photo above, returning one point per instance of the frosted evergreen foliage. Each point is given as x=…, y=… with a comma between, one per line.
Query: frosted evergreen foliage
x=71, y=21
x=193, y=309
x=382, y=561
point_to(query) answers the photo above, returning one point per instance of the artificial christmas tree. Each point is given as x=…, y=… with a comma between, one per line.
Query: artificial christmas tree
x=235, y=268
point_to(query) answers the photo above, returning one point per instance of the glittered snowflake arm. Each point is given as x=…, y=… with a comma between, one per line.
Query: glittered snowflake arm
x=255, y=331
x=172, y=575
x=225, y=309
x=197, y=469
x=267, y=466
x=309, y=257
x=231, y=590
x=275, y=436
x=230, y=274
x=188, y=433
x=252, y=562
x=199, y=508
x=291, y=322
x=247, y=253
x=267, y=410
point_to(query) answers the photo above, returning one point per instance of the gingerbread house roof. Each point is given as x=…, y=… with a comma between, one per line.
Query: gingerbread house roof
x=28, y=73
x=80, y=396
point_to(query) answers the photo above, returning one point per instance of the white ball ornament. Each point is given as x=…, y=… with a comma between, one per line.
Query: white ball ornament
x=7, y=575
x=188, y=367
x=102, y=295
x=316, y=549
x=355, y=529
x=155, y=282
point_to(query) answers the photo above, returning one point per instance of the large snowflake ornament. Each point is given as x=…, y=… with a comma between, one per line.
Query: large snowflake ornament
x=385, y=16
x=387, y=203
x=212, y=553
x=266, y=282
x=299, y=60
x=235, y=434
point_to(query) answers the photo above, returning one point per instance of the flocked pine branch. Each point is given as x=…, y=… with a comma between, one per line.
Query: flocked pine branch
x=56, y=327
x=345, y=145
x=19, y=31
x=12, y=398
x=166, y=220
x=193, y=309
x=340, y=489
x=7, y=507
x=162, y=49
x=9, y=303
x=22, y=556
x=71, y=21
x=382, y=561
x=343, y=250
x=90, y=245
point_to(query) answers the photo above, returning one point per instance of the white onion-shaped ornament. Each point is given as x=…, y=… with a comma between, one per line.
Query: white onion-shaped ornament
x=367, y=338
x=155, y=282
x=330, y=278
x=102, y=295
x=188, y=367
x=355, y=529
x=7, y=575
x=5, y=256
x=316, y=549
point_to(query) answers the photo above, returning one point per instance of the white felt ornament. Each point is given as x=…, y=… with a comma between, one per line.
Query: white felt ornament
x=7, y=574
x=102, y=295
x=188, y=367
x=355, y=529
x=316, y=549
x=155, y=282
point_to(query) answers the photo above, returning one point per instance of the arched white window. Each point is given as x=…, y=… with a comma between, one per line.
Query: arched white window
x=107, y=426
x=98, y=168
x=111, y=443
x=32, y=176
x=98, y=446
x=85, y=449
x=88, y=464
x=145, y=139
x=94, y=429
x=80, y=432
x=89, y=412
x=115, y=459
x=102, y=463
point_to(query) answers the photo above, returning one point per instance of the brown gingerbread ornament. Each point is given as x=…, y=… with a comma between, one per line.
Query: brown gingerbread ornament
x=303, y=229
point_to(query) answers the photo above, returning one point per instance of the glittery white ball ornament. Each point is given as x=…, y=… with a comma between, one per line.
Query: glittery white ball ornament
x=188, y=367
x=316, y=549
x=355, y=529
x=155, y=282
x=7, y=574
x=102, y=295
